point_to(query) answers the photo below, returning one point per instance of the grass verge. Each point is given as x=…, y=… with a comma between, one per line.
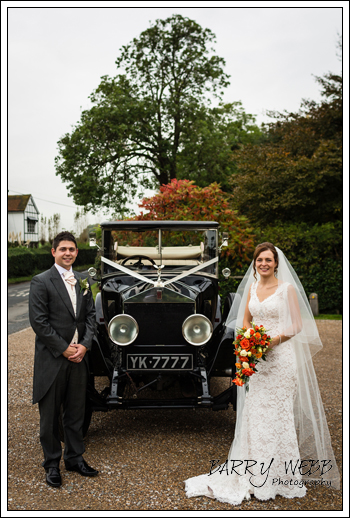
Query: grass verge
x=329, y=317
x=95, y=290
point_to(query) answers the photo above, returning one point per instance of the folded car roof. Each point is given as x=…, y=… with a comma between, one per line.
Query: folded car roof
x=166, y=225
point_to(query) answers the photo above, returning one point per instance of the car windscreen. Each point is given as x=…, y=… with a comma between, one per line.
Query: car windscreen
x=174, y=249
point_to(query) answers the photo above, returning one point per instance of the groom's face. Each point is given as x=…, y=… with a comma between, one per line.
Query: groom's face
x=65, y=254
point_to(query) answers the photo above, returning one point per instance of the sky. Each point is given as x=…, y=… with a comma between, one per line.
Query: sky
x=57, y=55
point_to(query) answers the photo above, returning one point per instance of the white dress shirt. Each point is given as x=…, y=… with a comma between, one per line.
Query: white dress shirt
x=72, y=294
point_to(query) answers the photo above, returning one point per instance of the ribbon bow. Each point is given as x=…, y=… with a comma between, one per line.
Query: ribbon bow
x=69, y=277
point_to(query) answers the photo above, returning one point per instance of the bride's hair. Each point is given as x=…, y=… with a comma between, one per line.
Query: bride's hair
x=263, y=247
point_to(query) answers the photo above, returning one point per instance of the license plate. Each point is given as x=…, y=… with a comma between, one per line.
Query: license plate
x=173, y=362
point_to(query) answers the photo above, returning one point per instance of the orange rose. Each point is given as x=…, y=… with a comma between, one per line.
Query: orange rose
x=264, y=337
x=245, y=344
x=262, y=342
x=247, y=372
x=236, y=352
x=258, y=355
x=242, y=359
x=257, y=335
x=238, y=381
x=256, y=328
x=253, y=351
x=238, y=365
x=252, y=331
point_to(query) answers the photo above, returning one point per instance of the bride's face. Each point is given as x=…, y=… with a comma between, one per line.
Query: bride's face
x=265, y=264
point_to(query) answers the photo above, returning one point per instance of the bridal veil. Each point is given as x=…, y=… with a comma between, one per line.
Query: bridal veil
x=298, y=323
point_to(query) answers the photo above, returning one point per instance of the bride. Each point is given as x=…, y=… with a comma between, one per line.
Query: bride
x=282, y=443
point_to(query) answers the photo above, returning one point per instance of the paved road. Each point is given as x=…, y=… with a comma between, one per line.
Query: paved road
x=17, y=301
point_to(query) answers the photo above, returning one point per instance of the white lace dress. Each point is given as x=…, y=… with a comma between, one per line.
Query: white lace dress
x=268, y=430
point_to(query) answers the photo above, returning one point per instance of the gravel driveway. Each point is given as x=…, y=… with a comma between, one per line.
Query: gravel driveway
x=144, y=456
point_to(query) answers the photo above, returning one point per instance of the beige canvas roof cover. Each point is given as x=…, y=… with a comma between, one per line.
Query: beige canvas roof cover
x=168, y=252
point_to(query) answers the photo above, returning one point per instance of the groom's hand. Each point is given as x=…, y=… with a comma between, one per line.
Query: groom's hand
x=71, y=349
x=80, y=351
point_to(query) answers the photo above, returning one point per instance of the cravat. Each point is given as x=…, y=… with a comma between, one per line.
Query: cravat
x=69, y=277
x=70, y=280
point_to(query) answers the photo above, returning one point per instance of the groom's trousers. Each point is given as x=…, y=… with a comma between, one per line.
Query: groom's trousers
x=68, y=390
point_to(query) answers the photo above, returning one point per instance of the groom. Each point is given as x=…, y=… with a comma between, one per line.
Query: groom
x=62, y=315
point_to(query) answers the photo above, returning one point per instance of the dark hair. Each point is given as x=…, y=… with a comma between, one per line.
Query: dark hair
x=263, y=247
x=63, y=236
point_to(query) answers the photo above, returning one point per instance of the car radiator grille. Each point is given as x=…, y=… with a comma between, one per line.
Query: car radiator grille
x=159, y=324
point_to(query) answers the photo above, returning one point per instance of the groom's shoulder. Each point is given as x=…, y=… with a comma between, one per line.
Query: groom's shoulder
x=43, y=276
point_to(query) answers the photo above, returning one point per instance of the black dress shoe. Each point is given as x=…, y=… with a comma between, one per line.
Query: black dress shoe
x=83, y=469
x=53, y=477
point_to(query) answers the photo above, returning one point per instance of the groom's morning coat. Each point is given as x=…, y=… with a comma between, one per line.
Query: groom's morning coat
x=52, y=318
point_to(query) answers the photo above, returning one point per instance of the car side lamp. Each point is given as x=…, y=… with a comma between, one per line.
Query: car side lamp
x=226, y=272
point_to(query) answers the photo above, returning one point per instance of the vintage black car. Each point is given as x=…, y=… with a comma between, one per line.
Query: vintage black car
x=160, y=329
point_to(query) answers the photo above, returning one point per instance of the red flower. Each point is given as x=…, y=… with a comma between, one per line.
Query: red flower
x=245, y=344
x=247, y=372
x=252, y=331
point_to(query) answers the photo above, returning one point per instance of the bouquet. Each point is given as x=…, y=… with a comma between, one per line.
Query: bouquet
x=251, y=346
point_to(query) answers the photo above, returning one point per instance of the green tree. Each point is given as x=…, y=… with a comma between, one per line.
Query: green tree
x=209, y=140
x=141, y=120
x=295, y=174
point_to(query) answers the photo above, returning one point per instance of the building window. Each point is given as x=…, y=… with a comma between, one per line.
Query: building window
x=31, y=226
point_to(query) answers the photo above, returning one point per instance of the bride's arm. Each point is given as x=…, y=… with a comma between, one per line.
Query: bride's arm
x=247, y=316
x=295, y=324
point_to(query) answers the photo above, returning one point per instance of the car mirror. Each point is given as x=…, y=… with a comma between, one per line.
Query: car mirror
x=224, y=240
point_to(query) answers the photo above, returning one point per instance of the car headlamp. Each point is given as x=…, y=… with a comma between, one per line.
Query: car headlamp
x=123, y=329
x=197, y=329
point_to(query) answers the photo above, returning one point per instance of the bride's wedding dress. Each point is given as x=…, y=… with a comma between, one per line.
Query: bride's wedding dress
x=267, y=433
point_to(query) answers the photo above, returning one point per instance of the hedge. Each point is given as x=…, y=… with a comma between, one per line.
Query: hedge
x=23, y=262
x=322, y=277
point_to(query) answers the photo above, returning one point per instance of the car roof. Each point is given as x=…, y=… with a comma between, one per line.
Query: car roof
x=158, y=224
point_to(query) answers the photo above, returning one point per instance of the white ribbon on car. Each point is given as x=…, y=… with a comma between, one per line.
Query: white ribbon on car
x=193, y=270
x=156, y=283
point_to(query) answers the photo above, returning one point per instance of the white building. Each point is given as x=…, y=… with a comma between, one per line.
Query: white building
x=23, y=219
